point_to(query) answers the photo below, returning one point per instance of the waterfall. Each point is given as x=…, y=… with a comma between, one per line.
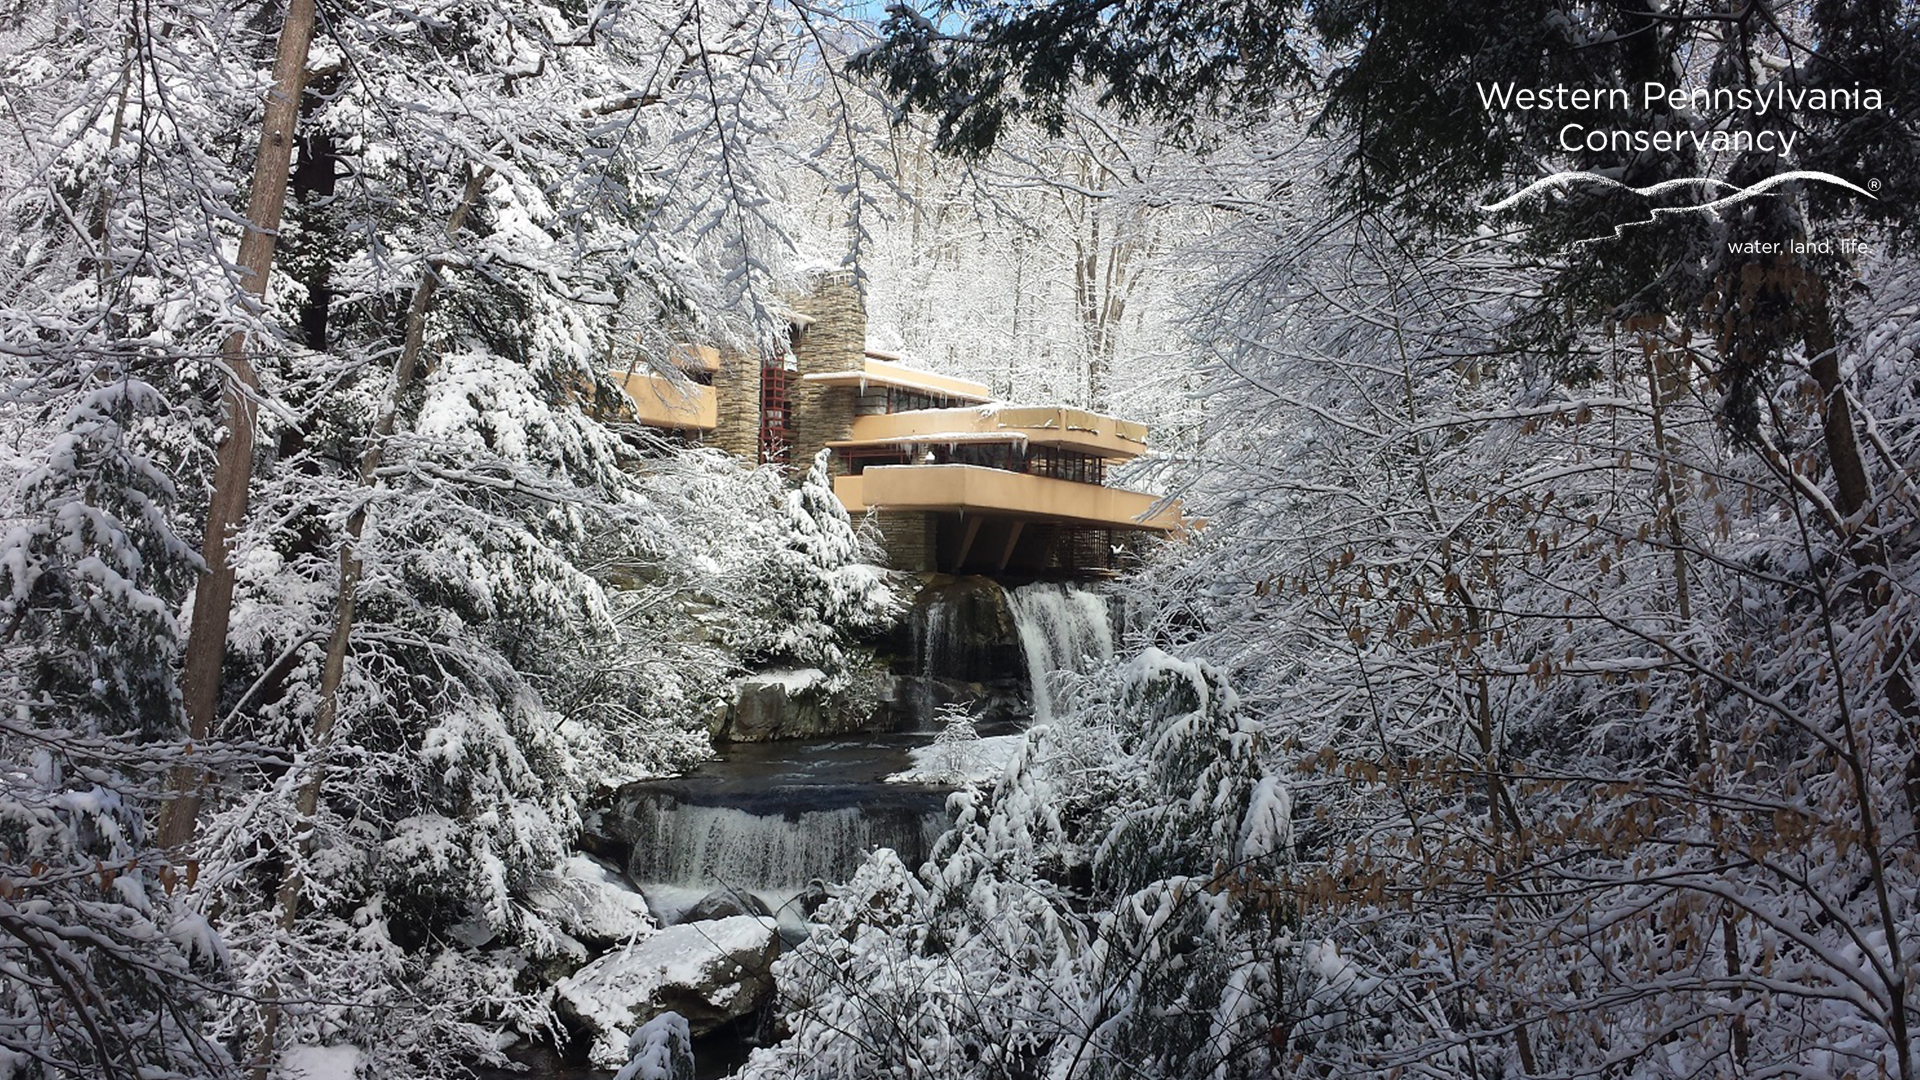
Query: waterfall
x=682, y=850
x=935, y=629
x=958, y=628
x=1061, y=628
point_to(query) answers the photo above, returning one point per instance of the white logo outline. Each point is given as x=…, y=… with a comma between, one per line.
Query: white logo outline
x=1738, y=194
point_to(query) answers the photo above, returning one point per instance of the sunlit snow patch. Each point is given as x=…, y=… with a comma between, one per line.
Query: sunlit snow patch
x=982, y=761
x=319, y=1063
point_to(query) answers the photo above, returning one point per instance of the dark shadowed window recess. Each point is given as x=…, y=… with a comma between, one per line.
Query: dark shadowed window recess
x=1067, y=465
x=1008, y=456
x=859, y=458
x=900, y=399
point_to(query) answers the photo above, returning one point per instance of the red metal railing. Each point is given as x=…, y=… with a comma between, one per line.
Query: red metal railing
x=776, y=413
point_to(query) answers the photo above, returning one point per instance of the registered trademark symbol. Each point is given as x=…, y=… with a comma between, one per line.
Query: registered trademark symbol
x=1873, y=185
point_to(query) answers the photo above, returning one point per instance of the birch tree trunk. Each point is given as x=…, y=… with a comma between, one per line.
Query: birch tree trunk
x=233, y=461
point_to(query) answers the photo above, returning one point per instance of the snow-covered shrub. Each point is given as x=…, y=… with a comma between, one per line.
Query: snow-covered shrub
x=956, y=747
x=106, y=968
x=811, y=598
x=1122, y=872
x=869, y=996
x=1196, y=855
x=687, y=587
x=91, y=566
x=660, y=1049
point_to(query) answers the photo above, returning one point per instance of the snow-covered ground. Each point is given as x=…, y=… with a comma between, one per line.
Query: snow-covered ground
x=319, y=1063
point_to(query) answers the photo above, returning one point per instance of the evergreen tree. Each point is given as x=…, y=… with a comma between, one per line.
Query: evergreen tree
x=106, y=970
x=827, y=596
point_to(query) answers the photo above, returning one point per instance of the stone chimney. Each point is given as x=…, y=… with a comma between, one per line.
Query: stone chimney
x=835, y=340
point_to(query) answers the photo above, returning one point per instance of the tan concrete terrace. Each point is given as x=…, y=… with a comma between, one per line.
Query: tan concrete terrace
x=686, y=404
x=981, y=490
x=1068, y=429
x=663, y=402
x=876, y=371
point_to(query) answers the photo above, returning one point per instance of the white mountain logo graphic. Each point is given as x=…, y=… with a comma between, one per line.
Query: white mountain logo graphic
x=1728, y=194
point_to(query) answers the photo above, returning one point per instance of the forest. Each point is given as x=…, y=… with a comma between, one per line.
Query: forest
x=1533, y=695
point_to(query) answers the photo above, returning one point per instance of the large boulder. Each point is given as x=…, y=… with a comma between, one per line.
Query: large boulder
x=725, y=903
x=711, y=973
x=957, y=643
x=772, y=705
x=961, y=630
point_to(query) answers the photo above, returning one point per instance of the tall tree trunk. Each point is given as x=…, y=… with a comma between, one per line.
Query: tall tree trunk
x=1116, y=286
x=233, y=462
x=1854, y=494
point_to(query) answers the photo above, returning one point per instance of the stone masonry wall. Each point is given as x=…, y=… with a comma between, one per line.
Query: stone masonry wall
x=736, y=388
x=907, y=537
x=836, y=340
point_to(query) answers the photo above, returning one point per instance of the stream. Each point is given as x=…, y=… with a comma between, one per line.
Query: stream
x=780, y=822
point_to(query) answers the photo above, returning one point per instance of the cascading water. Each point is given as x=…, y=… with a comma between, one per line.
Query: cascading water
x=935, y=643
x=1061, y=628
x=708, y=846
x=772, y=818
x=768, y=822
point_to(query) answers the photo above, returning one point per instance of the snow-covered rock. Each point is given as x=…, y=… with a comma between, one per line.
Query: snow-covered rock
x=708, y=972
x=661, y=1049
x=981, y=761
x=592, y=901
x=790, y=682
x=784, y=705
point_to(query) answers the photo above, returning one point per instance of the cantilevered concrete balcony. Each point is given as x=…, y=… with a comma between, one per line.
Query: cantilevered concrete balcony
x=659, y=401
x=1067, y=429
x=979, y=490
x=694, y=358
x=877, y=372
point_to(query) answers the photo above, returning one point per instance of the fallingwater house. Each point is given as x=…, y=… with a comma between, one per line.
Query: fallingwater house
x=954, y=481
